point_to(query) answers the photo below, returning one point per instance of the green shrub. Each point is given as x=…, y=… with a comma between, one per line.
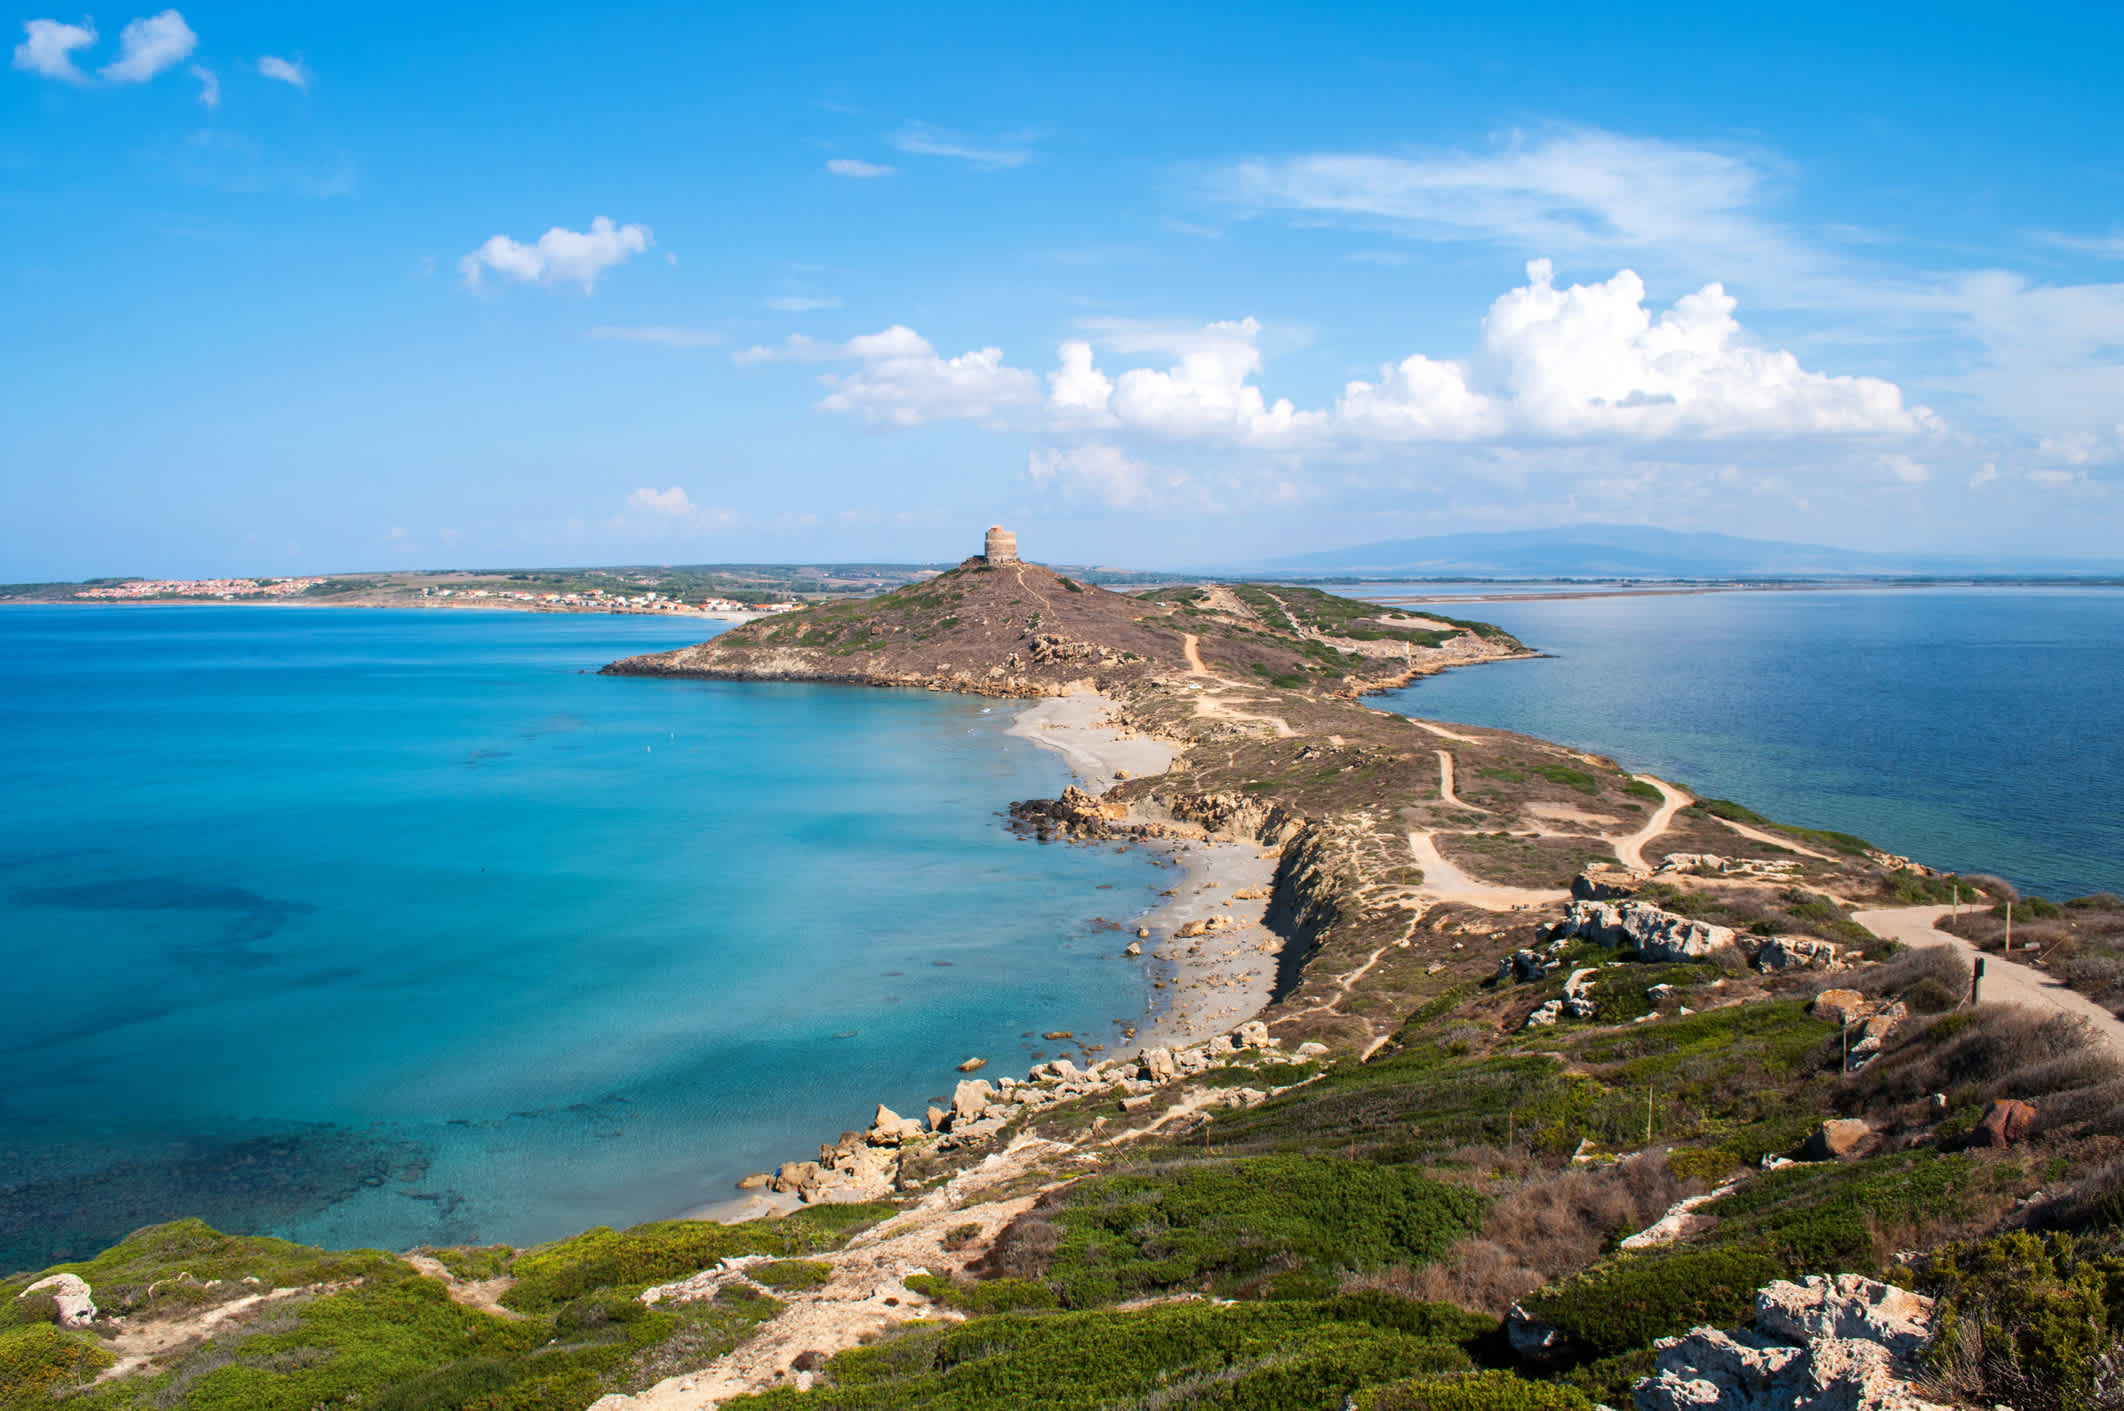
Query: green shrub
x=1929, y=996
x=2029, y=909
x=2026, y=1320
x=1298, y=1356
x=1639, y=789
x=1627, y=1301
x=38, y=1361
x=606, y=1258
x=791, y=1274
x=163, y=1254
x=1281, y=1226
x=1475, y=1391
x=475, y=1263
x=1728, y=809
x=1570, y=778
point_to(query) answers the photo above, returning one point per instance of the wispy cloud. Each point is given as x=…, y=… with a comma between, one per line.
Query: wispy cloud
x=289, y=71
x=859, y=170
x=1007, y=150
x=560, y=256
x=2109, y=247
x=49, y=46
x=209, y=86
x=667, y=335
x=148, y=46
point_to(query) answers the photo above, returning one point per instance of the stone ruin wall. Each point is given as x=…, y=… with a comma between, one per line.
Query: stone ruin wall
x=1002, y=545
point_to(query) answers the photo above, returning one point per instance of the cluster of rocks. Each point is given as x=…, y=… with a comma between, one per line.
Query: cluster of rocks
x=1051, y=649
x=1640, y=926
x=1711, y=862
x=1577, y=1001
x=1876, y=1020
x=1842, y=1343
x=1660, y=935
x=1080, y=816
x=866, y=1165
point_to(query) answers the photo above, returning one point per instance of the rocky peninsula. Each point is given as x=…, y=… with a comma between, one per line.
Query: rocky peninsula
x=1488, y=1076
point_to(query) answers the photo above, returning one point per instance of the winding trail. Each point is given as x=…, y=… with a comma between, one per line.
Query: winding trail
x=1774, y=841
x=1442, y=733
x=1189, y=647
x=1632, y=849
x=2005, y=981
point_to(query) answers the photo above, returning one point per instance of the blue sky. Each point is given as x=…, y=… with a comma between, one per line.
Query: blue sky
x=302, y=288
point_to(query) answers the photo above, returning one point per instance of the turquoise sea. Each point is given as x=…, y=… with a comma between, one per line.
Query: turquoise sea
x=1978, y=729
x=377, y=928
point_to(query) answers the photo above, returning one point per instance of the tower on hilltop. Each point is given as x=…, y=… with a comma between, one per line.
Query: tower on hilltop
x=1002, y=545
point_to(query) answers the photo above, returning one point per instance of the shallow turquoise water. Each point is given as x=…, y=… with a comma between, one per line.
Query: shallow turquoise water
x=1979, y=729
x=380, y=928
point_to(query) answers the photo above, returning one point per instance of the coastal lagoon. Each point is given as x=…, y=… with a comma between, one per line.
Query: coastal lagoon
x=381, y=928
x=1977, y=729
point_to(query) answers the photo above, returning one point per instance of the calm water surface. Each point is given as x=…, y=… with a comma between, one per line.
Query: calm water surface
x=380, y=928
x=1979, y=729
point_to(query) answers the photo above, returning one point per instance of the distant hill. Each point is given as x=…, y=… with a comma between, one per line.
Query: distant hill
x=1636, y=551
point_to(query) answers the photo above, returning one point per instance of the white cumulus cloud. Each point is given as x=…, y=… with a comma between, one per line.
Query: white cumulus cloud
x=560, y=256
x=673, y=508
x=289, y=71
x=861, y=171
x=1588, y=363
x=49, y=46
x=148, y=46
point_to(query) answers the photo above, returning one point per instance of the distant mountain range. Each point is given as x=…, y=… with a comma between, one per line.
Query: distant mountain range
x=1640, y=551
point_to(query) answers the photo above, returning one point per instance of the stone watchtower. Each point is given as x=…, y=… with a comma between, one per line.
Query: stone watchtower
x=1002, y=546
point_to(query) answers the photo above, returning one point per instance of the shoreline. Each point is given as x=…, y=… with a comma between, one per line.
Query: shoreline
x=416, y=605
x=1201, y=985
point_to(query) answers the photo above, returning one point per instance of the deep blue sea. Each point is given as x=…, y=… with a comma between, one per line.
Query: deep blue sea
x=377, y=928
x=1978, y=729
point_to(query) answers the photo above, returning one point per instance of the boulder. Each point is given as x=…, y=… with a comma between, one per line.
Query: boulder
x=1843, y=1006
x=1836, y=1139
x=969, y=1100
x=889, y=1128
x=756, y=1181
x=936, y=1119
x=2006, y=1122
x=1605, y=881
x=1311, y=1049
x=1134, y=948
x=1823, y=1344
x=796, y=1178
x=1530, y=1337
x=1252, y=1034
x=71, y=1292
x=1654, y=934
x=1158, y=1065
x=973, y=1065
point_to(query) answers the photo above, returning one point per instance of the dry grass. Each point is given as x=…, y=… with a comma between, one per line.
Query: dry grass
x=1555, y=1223
x=1973, y=1056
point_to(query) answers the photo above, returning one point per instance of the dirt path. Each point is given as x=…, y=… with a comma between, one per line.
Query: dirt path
x=1444, y=734
x=1445, y=781
x=483, y=1294
x=1775, y=841
x=1631, y=849
x=2005, y=981
x=1193, y=652
x=1444, y=881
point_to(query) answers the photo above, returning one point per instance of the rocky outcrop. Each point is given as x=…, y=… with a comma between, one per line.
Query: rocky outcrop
x=1605, y=881
x=77, y=1309
x=1823, y=1344
x=1577, y=1001
x=1637, y=925
x=1797, y=953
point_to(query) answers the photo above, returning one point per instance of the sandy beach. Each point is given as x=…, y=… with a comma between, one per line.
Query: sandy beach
x=1203, y=984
